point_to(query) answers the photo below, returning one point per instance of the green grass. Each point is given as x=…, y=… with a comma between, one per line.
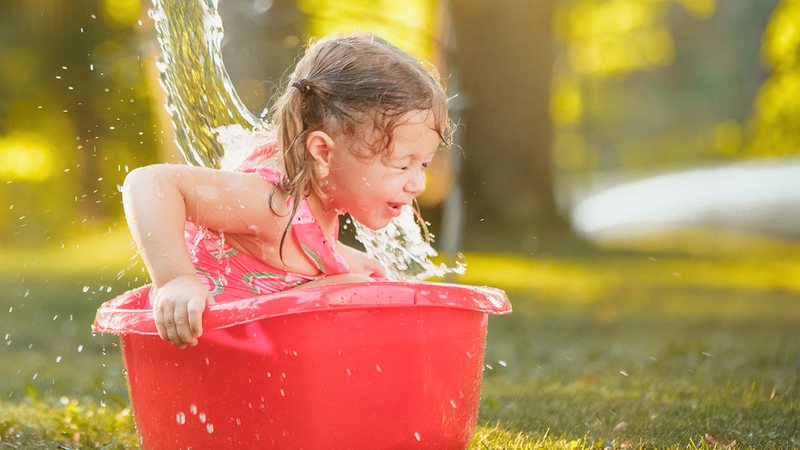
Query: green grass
x=602, y=350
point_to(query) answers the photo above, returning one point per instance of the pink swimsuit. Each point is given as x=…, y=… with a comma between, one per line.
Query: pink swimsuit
x=231, y=274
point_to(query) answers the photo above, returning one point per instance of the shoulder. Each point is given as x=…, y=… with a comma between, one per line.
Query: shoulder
x=265, y=162
x=200, y=184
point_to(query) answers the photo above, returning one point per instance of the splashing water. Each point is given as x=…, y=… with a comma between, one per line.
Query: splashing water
x=215, y=129
x=200, y=94
x=401, y=248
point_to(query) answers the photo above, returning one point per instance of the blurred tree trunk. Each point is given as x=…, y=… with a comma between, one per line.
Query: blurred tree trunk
x=73, y=50
x=505, y=58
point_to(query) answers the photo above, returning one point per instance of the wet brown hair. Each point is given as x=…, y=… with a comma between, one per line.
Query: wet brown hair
x=359, y=86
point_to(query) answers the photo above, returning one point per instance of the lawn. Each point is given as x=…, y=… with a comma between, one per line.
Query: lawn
x=604, y=349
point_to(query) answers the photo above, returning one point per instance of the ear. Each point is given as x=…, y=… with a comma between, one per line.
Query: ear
x=321, y=146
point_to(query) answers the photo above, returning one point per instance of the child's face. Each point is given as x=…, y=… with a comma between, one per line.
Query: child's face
x=373, y=190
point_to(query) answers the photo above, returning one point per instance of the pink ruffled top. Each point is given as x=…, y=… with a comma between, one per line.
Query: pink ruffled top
x=231, y=274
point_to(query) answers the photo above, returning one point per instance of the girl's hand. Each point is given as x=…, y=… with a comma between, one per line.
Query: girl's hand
x=362, y=264
x=178, y=309
x=370, y=268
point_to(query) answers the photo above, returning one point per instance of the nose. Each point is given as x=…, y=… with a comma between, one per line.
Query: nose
x=416, y=184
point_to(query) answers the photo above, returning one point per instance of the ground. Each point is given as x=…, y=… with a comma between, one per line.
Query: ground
x=603, y=349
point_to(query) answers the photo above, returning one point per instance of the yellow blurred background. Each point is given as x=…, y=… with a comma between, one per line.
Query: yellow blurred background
x=555, y=102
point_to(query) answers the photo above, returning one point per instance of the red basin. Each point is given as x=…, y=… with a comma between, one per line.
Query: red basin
x=378, y=365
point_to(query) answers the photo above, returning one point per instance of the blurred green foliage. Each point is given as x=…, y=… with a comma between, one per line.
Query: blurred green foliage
x=75, y=114
x=648, y=86
x=639, y=86
x=775, y=122
x=411, y=24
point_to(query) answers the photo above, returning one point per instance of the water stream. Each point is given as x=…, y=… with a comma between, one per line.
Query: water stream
x=215, y=129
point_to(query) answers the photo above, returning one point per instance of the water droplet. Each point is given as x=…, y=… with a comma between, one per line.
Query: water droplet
x=193, y=409
x=623, y=373
x=377, y=367
x=58, y=359
x=86, y=289
x=80, y=348
x=417, y=436
x=180, y=418
x=453, y=403
x=210, y=428
x=502, y=363
x=283, y=394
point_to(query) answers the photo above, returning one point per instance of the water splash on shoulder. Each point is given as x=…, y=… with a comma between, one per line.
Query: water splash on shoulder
x=200, y=94
x=238, y=143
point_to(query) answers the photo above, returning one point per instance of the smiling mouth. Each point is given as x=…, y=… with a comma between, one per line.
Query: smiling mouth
x=395, y=209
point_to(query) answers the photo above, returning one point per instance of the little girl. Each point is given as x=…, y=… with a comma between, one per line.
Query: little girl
x=354, y=132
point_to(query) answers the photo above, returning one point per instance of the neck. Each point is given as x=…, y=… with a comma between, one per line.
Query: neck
x=325, y=214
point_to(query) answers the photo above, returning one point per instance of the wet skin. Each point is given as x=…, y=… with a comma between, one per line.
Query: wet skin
x=159, y=199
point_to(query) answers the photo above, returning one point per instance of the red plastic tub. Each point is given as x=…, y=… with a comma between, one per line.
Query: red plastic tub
x=382, y=365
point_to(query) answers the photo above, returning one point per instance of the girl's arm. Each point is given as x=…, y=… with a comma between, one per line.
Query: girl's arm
x=158, y=200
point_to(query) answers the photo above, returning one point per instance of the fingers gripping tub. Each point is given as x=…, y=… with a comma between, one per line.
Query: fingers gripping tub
x=357, y=365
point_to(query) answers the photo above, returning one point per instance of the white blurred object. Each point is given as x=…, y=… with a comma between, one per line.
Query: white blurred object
x=756, y=197
x=238, y=143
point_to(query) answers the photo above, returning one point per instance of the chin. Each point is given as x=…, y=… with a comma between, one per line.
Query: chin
x=374, y=224
x=379, y=226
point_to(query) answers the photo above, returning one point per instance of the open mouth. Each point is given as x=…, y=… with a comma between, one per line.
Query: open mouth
x=395, y=208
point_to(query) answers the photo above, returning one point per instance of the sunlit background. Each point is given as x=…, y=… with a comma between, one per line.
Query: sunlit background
x=631, y=89
x=556, y=102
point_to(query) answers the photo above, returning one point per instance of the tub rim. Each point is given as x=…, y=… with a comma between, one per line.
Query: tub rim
x=128, y=313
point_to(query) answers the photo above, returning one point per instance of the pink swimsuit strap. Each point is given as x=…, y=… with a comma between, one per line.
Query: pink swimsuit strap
x=305, y=226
